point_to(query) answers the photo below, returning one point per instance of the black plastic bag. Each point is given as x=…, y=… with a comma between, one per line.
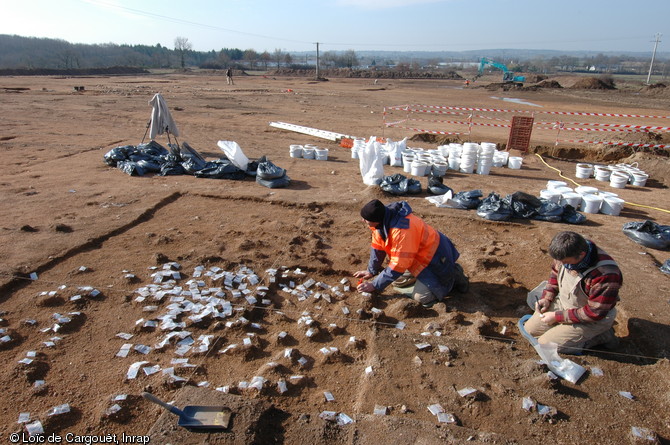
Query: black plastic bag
x=648, y=234
x=220, y=169
x=130, y=167
x=572, y=216
x=494, y=208
x=436, y=187
x=468, y=200
x=113, y=156
x=192, y=165
x=523, y=205
x=394, y=184
x=267, y=170
x=274, y=183
x=171, y=169
x=549, y=211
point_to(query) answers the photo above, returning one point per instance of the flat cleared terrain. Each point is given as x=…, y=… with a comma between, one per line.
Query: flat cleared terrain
x=85, y=228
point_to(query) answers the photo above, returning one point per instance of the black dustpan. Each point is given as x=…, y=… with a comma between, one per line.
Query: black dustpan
x=194, y=416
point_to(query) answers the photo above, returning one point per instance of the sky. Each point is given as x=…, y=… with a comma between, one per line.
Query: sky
x=337, y=25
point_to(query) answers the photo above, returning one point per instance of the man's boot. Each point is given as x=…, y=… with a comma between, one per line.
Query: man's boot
x=461, y=282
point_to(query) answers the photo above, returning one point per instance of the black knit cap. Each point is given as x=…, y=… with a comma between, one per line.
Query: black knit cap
x=373, y=211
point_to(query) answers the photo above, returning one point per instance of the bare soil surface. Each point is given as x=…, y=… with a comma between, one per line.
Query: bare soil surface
x=86, y=229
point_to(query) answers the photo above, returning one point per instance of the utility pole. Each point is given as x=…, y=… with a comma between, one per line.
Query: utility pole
x=317, y=61
x=653, y=56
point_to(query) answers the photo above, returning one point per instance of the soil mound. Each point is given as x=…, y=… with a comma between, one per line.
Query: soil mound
x=594, y=83
x=549, y=84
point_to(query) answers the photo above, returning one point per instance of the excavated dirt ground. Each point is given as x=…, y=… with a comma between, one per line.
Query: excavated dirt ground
x=87, y=229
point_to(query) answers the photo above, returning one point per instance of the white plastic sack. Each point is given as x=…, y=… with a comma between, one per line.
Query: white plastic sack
x=562, y=367
x=235, y=154
x=371, y=163
x=441, y=200
x=395, y=151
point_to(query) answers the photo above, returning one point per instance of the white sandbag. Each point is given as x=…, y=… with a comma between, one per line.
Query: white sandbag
x=371, y=163
x=235, y=154
x=395, y=151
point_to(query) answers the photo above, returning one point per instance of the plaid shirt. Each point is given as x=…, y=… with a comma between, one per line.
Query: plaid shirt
x=601, y=286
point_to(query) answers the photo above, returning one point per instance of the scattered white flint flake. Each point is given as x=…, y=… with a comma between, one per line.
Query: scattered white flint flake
x=204, y=384
x=329, y=396
x=345, y=310
x=381, y=410
x=149, y=370
x=281, y=386
x=257, y=382
x=39, y=383
x=528, y=404
x=142, y=349
x=422, y=346
x=134, y=369
x=444, y=349
x=543, y=409
x=435, y=409
x=24, y=418
x=120, y=397
x=627, y=395
x=596, y=371
x=343, y=419
x=60, y=409
x=223, y=389
x=400, y=325
x=26, y=361
x=113, y=409
x=446, y=418
x=328, y=415
x=33, y=276
x=643, y=433
x=35, y=428
x=124, y=335
x=369, y=371
x=466, y=392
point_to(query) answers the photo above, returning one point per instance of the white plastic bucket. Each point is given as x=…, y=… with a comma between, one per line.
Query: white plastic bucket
x=550, y=195
x=640, y=179
x=586, y=190
x=321, y=154
x=295, y=151
x=612, y=205
x=514, y=162
x=572, y=198
x=466, y=168
x=563, y=189
x=602, y=174
x=584, y=171
x=556, y=184
x=419, y=168
x=484, y=168
x=591, y=203
x=439, y=168
x=619, y=179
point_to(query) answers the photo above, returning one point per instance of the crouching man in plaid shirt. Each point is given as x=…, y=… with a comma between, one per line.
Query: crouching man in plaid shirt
x=576, y=309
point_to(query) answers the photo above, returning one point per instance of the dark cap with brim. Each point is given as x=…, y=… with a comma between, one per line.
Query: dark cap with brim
x=373, y=211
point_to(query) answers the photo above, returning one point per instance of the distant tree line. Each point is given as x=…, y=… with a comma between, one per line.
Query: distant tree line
x=42, y=53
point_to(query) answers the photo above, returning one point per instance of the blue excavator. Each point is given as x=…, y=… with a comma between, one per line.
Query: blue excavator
x=508, y=76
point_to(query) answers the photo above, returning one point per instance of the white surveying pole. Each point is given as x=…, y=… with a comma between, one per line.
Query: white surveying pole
x=653, y=56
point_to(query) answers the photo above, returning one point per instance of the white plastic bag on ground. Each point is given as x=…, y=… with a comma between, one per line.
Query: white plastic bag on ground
x=395, y=151
x=235, y=154
x=370, y=162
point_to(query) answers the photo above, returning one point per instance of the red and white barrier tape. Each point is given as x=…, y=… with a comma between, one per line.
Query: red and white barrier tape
x=619, y=144
x=498, y=110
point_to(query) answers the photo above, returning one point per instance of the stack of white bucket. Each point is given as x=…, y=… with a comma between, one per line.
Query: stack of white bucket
x=308, y=151
x=618, y=175
x=587, y=199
